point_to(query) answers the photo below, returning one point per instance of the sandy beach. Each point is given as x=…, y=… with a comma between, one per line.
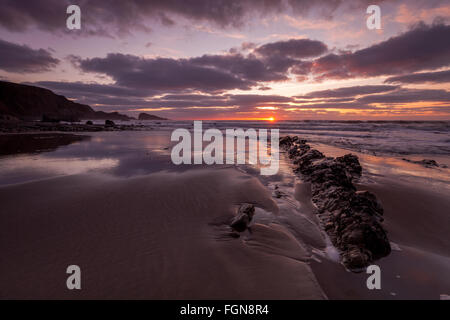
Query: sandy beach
x=141, y=228
x=162, y=236
x=225, y=150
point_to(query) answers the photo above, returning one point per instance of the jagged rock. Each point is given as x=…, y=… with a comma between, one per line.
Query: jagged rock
x=427, y=163
x=89, y=123
x=366, y=201
x=278, y=194
x=287, y=140
x=352, y=164
x=351, y=218
x=146, y=116
x=243, y=218
x=354, y=258
x=109, y=123
x=306, y=155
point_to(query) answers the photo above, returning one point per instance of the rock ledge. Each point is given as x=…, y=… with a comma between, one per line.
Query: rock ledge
x=351, y=218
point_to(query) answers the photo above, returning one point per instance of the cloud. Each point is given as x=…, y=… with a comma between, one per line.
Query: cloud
x=19, y=15
x=207, y=73
x=333, y=105
x=23, y=59
x=421, y=48
x=381, y=98
x=109, y=17
x=294, y=48
x=431, y=77
x=113, y=96
x=407, y=96
x=372, y=94
x=83, y=89
x=248, y=67
x=241, y=101
x=349, y=91
x=161, y=74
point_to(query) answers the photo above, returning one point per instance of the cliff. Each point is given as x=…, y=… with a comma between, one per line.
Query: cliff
x=33, y=103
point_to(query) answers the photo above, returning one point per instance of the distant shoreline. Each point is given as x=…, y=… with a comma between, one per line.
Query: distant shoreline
x=36, y=126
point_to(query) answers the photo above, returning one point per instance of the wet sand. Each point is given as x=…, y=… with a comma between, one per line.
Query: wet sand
x=141, y=229
x=154, y=237
x=418, y=225
x=416, y=206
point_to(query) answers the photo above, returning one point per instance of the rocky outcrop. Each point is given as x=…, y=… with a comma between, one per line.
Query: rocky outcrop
x=351, y=218
x=26, y=102
x=243, y=218
x=427, y=163
x=146, y=116
x=109, y=123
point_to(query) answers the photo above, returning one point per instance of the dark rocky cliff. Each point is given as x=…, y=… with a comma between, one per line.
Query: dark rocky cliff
x=26, y=102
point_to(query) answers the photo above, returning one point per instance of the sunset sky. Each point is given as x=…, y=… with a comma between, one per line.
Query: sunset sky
x=236, y=59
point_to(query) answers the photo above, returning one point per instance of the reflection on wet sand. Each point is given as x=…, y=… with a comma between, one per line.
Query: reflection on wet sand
x=119, y=201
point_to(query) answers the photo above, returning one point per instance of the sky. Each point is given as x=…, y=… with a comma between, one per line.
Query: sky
x=236, y=59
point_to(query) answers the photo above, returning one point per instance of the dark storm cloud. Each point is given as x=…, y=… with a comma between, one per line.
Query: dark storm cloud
x=100, y=16
x=21, y=58
x=206, y=73
x=349, y=91
x=280, y=57
x=270, y=62
x=248, y=67
x=294, y=48
x=163, y=73
x=424, y=77
x=423, y=47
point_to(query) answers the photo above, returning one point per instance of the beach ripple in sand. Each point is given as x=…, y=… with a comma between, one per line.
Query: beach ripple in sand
x=151, y=236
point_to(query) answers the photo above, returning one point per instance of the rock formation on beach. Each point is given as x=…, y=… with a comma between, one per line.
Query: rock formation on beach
x=146, y=116
x=243, y=218
x=427, y=163
x=351, y=218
